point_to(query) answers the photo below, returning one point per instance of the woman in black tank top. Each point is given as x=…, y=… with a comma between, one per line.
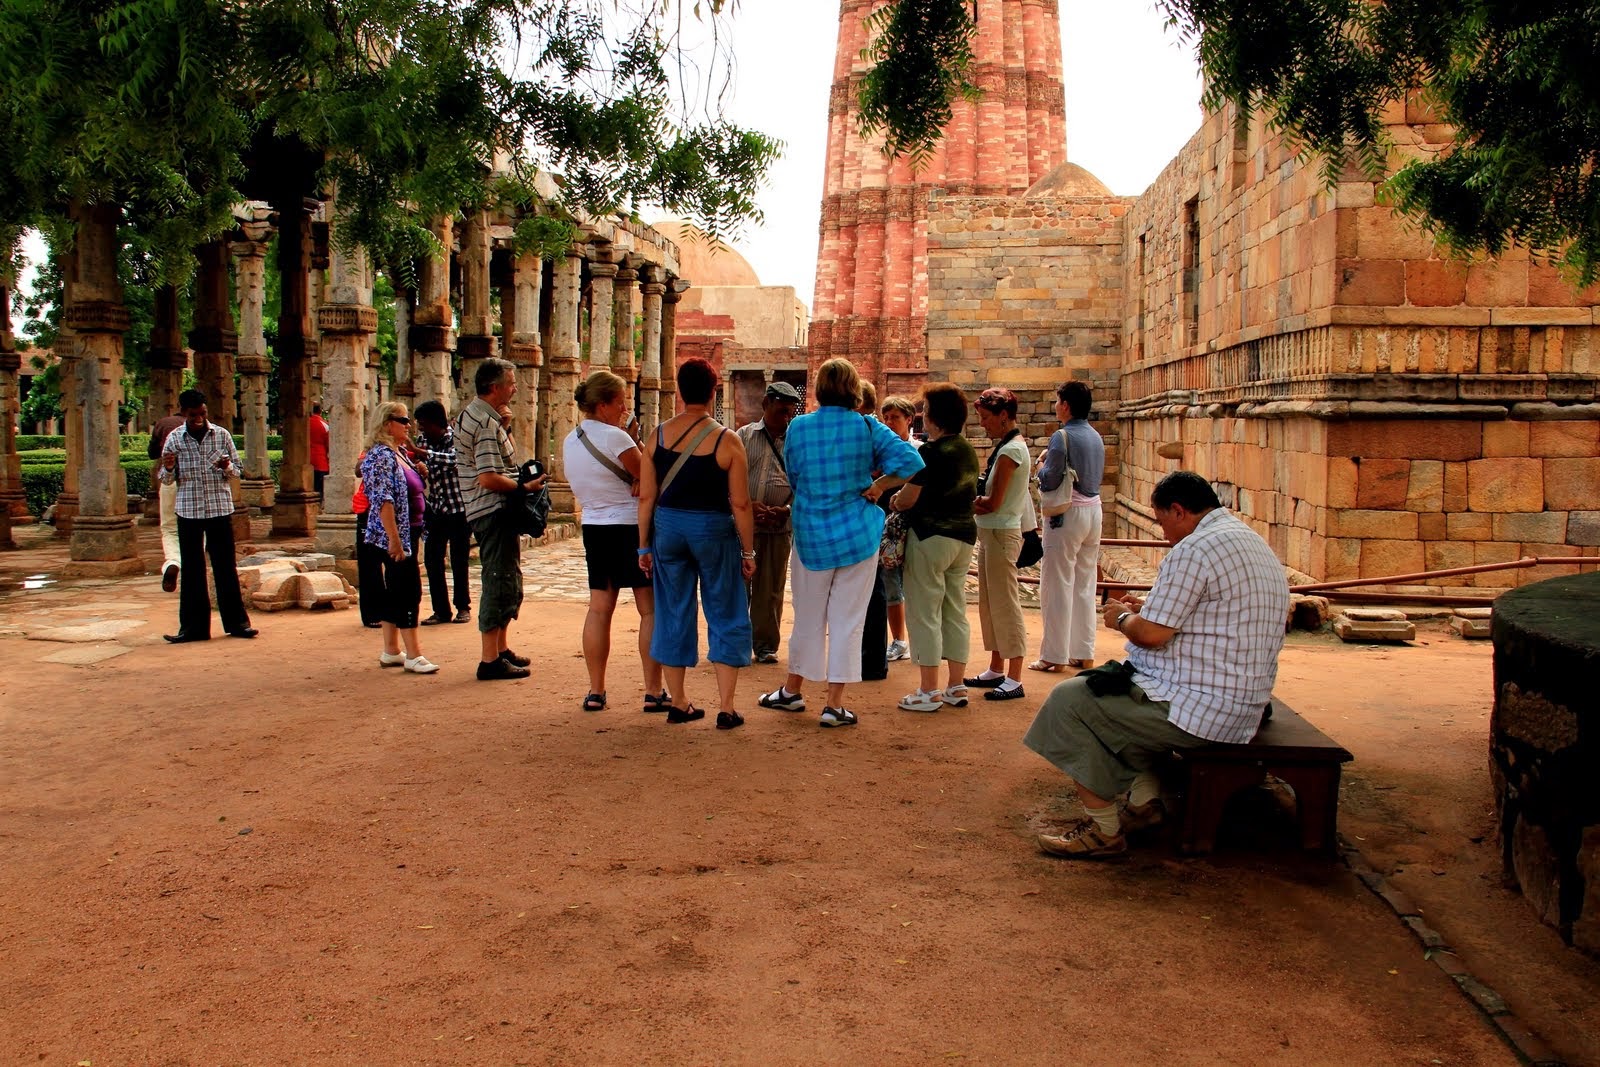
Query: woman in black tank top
x=697, y=535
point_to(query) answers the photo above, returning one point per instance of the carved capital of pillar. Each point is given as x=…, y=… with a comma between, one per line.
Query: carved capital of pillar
x=166, y=359
x=347, y=318
x=426, y=338
x=96, y=316
x=628, y=372
x=248, y=249
x=524, y=354
x=599, y=268
x=213, y=339
x=471, y=346
x=10, y=361
x=252, y=365
x=650, y=385
x=653, y=288
x=626, y=276
x=563, y=365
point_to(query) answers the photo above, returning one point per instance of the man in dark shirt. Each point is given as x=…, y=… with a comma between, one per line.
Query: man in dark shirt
x=446, y=517
x=166, y=496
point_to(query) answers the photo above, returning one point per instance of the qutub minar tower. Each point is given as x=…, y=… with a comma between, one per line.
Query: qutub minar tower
x=871, y=303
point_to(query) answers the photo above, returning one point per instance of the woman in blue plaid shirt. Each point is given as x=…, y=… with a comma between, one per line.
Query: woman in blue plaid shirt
x=839, y=463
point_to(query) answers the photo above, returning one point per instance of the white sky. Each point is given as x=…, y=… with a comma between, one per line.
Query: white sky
x=1133, y=100
x=1132, y=92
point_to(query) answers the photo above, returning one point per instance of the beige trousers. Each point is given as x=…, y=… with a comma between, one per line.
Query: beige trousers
x=999, y=599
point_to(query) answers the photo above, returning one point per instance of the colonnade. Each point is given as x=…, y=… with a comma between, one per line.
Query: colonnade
x=609, y=301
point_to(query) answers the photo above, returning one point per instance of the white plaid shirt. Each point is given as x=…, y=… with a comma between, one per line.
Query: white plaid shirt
x=204, y=491
x=1225, y=593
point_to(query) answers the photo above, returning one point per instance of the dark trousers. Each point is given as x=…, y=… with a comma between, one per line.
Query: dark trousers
x=196, y=539
x=875, y=633
x=369, y=576
x=398, y=591
x=452, y=532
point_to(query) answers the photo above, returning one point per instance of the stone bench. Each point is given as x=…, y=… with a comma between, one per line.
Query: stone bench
x=1286, y=747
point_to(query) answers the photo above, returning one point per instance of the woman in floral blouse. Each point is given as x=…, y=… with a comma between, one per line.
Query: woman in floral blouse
x=394, y=526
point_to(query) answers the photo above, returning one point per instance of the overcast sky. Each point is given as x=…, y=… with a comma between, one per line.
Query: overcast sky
x=1133, y=95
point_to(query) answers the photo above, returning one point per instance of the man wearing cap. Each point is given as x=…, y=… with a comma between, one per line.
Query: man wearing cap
x=770, y=494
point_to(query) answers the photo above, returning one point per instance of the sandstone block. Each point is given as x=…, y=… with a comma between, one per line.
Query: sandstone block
x=276, y=592
x=316, y=561
x=1505, y=439
x=1498, y=284
x=1475, y=613
x=1382, y=483
x=1425, y=486
x=1469, y=526
x=1381, y=558
x=1472, y=629
x=1365, y=523
x=1369, y=282
x=1343, y=556
x=1455, y=487
x=1373, y=614
x=1446, y=439
x=1349, y=629
x=1564, y=438
x=1308, y=612
x=1435, y=283
x=1432, y=527
x=1544, y=527
x=1571, y=484
x=1447, y=555
x=253, y=576
x=1507, y=484
x=316, y=589
x=1583, y=528
x=1343, y=482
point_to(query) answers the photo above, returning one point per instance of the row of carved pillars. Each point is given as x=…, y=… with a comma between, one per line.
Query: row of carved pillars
x=541, y=312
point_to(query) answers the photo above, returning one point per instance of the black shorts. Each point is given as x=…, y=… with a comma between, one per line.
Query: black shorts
x=612, y=553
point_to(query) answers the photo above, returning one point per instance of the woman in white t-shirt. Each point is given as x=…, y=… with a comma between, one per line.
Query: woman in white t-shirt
x=602, y=465
x=1004, y=507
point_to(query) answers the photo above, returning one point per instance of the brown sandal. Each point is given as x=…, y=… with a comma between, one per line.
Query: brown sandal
x=1044, y=666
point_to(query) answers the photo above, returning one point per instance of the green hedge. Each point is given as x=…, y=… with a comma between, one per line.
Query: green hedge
x=42, y=482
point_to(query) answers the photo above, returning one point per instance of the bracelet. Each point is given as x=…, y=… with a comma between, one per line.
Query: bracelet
x=645, y=551
x=748, y=555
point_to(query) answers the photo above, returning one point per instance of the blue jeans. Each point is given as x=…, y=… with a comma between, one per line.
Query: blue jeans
x=698, y=547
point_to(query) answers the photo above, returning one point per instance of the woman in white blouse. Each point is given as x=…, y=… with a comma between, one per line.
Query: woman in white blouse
x=601, y=460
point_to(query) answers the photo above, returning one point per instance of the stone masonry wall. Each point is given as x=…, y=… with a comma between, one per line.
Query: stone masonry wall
x=1371, y=406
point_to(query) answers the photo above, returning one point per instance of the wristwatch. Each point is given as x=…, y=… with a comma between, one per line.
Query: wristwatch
x=1124, y=617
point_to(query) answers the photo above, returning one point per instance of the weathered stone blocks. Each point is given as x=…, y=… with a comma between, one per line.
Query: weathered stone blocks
x=1570, y=484
x=1373, y=624
x=1508, y=484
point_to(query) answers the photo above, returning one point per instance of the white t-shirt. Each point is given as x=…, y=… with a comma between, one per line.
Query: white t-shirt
x=1018, y=501
x=606, y=500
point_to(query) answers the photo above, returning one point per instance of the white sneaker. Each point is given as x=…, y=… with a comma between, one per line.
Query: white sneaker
x=898, y=650
x=391, y=659
x=421, y=665
x=918, y=700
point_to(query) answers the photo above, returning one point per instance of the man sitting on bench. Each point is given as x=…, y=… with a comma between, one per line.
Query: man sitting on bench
x=1202, y=659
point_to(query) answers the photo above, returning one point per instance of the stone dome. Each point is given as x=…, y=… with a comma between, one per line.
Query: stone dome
x=701, y=261
x=1068, y=179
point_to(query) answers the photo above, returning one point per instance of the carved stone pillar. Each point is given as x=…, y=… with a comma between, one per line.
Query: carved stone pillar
x=669, y=345
x=256, y=488
x=433, y=336
x=519, y=307
x=476, y=342
x=348, y=323
x=13, y=503
x=103, y=539
x=563, y=363
x=316, y=286
x=622, y=363
x=294, y=506
x=166, y=361
x=405, y=390
x=211, y=334
x=602, y=279
x=650, y=374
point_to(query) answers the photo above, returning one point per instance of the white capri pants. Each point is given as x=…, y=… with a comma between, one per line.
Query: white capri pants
x=830, y=611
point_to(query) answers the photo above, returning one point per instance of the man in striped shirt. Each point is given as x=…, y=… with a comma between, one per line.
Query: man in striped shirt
x=201, y=459
x=1202, y=659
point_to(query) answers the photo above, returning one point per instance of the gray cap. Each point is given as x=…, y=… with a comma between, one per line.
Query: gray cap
x=782, y=391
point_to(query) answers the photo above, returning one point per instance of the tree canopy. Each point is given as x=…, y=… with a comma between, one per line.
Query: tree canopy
x=1515, y=80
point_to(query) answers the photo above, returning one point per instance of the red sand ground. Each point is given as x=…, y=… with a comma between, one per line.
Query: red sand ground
x=274, y=852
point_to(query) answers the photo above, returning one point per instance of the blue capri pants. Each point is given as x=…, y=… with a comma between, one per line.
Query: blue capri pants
x=690, y=548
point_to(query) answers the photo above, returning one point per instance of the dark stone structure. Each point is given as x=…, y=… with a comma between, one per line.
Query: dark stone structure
x=1544, y=746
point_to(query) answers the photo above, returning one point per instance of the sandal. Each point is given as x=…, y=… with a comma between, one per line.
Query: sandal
x=1081, y=664
x=728, y=720
x=689, y=714
x=1044, y=666
x=594, y=702
x=955, y=696
x=1087, y=842
x=653, y=703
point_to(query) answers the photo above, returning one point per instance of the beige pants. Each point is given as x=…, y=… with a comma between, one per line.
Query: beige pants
x=936, y=599
x=167, y=497
x=999, y=599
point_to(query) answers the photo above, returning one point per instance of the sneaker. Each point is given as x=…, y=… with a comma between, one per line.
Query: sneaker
x=1087, y=842
x=435, y=619
x=766, y=657
x=1136, y=817
x=169, y=579
x=898, y=650
x=421, y=665
x=917, y=700
x=838, y=717
x=514, y=659
x=500, y=668
x=464, y=615
x=780, y=700
x=391, y=659
x=955, y=696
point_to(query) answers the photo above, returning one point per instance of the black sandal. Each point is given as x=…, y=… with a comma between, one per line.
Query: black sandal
x=654, y=703
x=594, y=702
x=689, y=714
x=728, y=720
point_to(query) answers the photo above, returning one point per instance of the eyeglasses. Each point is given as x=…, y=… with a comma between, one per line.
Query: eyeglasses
x=401, y=419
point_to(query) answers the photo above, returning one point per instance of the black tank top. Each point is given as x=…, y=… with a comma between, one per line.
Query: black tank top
x=701, y=485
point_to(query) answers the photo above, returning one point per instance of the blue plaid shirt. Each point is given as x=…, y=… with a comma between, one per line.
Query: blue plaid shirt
x=831, y=455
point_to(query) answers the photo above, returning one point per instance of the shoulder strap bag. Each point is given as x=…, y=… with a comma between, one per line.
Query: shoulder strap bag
x=605, y=461
x=683, y=457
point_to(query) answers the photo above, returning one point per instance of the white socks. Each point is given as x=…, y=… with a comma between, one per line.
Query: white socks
x=1146, y=787
x=1008, y=685
x=990, y=676
x=1106, y=819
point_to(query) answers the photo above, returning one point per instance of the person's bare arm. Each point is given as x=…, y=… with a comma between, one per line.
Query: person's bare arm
x=906, y=498
x=647, y=510
x=999, y=481
x=731, y=456
x=1142, y=632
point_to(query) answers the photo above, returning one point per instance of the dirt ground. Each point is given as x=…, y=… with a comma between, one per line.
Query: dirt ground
x=274, y=852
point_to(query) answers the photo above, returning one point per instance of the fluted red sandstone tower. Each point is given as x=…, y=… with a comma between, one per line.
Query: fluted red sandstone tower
x=871, y=301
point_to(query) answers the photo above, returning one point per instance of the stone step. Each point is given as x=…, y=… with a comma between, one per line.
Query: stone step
x=1395, y=630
